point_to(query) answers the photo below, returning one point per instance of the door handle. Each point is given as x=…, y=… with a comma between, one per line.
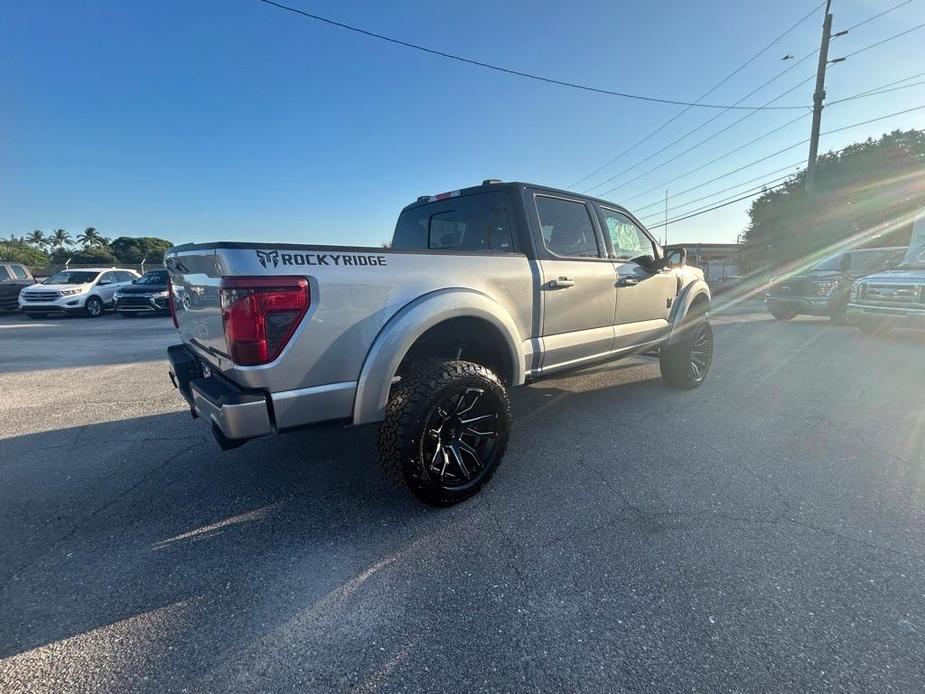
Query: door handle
x=627, y=282
x=561, y=283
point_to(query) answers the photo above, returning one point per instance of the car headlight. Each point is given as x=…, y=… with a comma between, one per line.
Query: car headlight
x=159, y=295
x=854, y=293
x=69, y=292
x=118, y=295
x=825, y=287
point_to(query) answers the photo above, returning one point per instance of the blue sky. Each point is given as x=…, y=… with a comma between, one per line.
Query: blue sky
x=201, y=120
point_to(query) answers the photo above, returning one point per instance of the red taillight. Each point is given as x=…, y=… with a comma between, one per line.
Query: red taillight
x=172, y=304
x=260, y=314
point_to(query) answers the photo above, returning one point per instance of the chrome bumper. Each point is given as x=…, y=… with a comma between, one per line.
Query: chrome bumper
x=237, y=415
x=901, y=317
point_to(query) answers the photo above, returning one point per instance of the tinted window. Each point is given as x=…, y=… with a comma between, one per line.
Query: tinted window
x=470, y=223
x=4, y=273
x=71, y=277
x=19, y=272
x=156, y=277
x=567, y=227
x=629, y=241
x=830, y=263
x=868, y=261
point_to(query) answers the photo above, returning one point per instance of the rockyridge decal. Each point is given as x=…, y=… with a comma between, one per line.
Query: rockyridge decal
x=277, y=258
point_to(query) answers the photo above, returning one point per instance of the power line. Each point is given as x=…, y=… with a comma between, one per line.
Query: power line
x=870, y=19
x=694, y=146
x=827, y=132
x=760, y=186
x=705, y=95
x=883, y=41
x=517, y=73
x=715, y=207
x=773, y=154
x=876, y=93
x=763, y=176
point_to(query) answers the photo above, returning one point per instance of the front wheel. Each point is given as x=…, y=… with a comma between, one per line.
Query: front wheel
x=445, y=430
x=686, y=363
x=782, y=314
x=93, y=307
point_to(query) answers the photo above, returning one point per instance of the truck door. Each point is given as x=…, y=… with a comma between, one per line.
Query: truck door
x=644, y=292
x=576, y=284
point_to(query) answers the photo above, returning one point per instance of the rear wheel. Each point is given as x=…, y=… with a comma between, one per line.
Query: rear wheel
x=686, y=363
x=445, y=430
x=782, y=314
x=93, y=307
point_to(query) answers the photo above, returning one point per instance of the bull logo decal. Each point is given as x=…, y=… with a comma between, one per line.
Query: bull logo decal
x=266, y=257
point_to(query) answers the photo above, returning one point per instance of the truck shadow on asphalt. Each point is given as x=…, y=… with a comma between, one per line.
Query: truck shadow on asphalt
x=150, y=516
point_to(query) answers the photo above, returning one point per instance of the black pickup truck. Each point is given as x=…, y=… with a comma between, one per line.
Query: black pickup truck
x=14, y=277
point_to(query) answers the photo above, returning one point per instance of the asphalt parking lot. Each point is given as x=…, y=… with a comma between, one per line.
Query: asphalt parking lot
x=763, y=533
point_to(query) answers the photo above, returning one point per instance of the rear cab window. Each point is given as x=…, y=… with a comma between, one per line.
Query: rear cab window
x=567, y=227
x=478, y=223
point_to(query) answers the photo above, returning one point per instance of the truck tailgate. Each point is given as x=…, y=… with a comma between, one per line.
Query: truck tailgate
x=195, y=276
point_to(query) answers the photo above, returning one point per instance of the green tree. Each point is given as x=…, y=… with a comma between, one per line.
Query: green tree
x=865, y=195
x=18, y=251
x=37, y=239
x=60, y=238
x=91, y=238
x=131, y=249
x=93, y=255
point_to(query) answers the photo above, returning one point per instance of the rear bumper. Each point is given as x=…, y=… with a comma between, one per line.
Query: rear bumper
x=899, y=317
x=803, y=305
x=237, y=414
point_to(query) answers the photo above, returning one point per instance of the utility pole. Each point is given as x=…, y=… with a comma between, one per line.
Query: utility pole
x=818, y=97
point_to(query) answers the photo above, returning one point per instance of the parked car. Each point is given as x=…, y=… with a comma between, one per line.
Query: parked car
x=822, y=290
x=13, y=278
x=147, y=294
x=889, y=299
x=87, y=291
x=482, y=289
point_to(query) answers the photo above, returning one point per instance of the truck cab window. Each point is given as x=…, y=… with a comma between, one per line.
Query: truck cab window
x=629, y=241
x=470, y=223
x=567, y=227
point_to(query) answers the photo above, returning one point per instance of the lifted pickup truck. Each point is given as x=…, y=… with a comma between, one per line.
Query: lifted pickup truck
x=482, y=289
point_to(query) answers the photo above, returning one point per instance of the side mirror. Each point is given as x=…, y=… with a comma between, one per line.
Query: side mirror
x=675, y=257
x=103, y=283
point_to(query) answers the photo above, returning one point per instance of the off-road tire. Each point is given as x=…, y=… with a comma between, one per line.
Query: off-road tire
x=686, y=363
x=90, y=311
x=782, y=315
x=413, y=402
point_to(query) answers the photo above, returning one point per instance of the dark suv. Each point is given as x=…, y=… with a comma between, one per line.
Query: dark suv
x=147, y=294
x=822, y=290
x=14, y=277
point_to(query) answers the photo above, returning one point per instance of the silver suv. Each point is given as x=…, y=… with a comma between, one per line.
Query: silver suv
x=87, y=291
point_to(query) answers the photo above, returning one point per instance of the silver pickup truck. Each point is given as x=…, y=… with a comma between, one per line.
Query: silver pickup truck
x=481, y=289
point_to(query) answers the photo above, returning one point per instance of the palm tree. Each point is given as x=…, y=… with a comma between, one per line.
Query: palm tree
x=37, y=239
x=60, y=239
x=91, y=237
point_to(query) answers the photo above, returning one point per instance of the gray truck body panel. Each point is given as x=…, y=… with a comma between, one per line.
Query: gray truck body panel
x=368, y=306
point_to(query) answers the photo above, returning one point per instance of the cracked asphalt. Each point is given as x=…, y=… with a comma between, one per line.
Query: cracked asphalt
x=765, y=532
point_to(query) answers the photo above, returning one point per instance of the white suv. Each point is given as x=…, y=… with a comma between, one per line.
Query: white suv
x=87, y=291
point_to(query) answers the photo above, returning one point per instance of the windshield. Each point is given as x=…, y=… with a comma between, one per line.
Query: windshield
x=831, y=263
x=916, y=259
x=72, y=277
x=154, y=277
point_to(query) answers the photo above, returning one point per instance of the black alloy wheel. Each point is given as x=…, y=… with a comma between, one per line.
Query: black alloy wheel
x=445, y=430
